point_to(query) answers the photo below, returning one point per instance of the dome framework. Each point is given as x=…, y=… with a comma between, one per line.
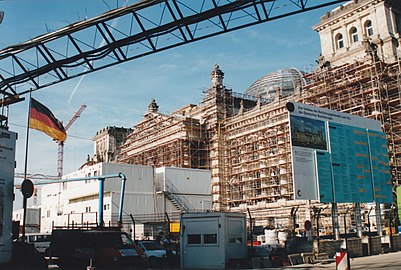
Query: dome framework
x=279, y=83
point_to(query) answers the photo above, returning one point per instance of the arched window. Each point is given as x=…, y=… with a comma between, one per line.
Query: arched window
x=339, y=41
x=369, y=28
x=354, y=34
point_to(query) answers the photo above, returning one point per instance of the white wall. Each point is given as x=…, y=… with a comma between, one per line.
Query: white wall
x=192, y=184
x=78, y=201
x=7, y=166
x=230, y=234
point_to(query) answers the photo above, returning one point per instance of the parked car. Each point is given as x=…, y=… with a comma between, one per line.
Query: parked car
x=259, y=251
x=103, y=246
x=154, y=252
x=25, y=256
x=40, y=241
x=279, y=257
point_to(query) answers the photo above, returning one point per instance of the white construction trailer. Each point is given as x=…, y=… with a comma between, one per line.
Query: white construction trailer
x=211, y=240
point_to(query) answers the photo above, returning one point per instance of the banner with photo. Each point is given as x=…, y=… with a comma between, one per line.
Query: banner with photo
x=338, y=157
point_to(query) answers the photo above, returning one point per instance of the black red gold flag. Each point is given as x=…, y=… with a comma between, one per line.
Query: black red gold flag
x=42, y=119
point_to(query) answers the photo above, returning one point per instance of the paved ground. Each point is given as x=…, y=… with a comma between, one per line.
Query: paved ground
x=389, y=261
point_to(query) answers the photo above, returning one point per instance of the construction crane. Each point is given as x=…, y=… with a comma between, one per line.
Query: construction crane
x=61, y=144
x=59, y=162
x=36, y=176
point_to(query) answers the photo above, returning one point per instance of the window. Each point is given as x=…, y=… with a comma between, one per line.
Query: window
x=354, y=34
x=87, y=209
x=106, y=207
x=42, y=238
x=194, y=239
x=87, y=181
x=48, y=213
x=210, y=238
x=235, y=240
x=369, y=28
x=126, y=240
x=340, y=41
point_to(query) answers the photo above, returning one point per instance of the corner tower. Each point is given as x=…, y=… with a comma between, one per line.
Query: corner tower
x=360, y=29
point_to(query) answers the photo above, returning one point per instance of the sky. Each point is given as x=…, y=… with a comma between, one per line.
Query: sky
x=119, y=96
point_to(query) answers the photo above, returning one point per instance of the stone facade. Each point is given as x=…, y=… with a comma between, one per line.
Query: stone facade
x=107, y=143
x=358, y=28
x=245, y=140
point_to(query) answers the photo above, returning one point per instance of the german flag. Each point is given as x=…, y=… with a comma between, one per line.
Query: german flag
x=42, y=119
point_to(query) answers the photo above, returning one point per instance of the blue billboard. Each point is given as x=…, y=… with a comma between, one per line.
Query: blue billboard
x=338, y=157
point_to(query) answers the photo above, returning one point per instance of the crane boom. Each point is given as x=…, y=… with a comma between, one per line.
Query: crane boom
x=35, y=176
x=75, y=116
x=60, y=159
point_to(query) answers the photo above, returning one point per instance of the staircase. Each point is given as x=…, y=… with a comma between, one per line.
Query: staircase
x=179, y=201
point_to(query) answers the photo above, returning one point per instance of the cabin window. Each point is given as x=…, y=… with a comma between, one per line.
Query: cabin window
x=210, y=238
x=194, y=239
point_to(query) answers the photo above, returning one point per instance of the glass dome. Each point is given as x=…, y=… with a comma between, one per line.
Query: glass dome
x=283, y=82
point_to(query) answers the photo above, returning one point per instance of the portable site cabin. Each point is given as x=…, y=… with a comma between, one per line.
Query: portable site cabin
x=211, y=240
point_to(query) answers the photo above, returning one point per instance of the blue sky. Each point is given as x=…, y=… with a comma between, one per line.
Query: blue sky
x=118, y=96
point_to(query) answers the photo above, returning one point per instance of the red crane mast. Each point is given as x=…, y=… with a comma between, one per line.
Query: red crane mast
x=61, y=144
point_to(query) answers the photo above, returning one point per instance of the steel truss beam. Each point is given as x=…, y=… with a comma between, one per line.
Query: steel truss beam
x=131, y=32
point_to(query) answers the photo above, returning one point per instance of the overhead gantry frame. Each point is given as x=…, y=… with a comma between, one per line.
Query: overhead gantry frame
x=128, y=33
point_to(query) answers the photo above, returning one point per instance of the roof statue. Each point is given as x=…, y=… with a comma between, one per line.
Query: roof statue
x=153, y=107
x=217, y=76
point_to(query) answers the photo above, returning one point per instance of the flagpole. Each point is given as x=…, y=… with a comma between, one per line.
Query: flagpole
x=26, y=166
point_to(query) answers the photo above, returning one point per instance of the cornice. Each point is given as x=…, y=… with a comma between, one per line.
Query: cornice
x=344, y=12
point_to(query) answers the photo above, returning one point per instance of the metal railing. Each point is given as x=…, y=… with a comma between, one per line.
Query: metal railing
x=174, y=195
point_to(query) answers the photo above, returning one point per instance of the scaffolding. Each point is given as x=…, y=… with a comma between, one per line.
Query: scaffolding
x=258, y=159
x=245, y=141
x=369, y=89
x=161, y=140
